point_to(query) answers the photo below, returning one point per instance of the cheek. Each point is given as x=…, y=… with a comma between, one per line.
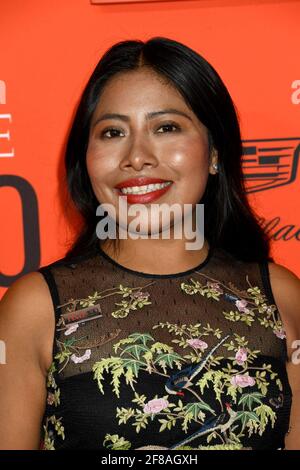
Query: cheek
x=99, y=167
x=192, y=166
x=98, y=176
x=92, y=162
x=195, y=184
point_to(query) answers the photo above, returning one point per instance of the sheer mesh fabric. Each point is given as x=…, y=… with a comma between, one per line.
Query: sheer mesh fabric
x=162, y=325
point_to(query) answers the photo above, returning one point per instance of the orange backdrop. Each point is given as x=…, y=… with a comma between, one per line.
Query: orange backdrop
x=49, y=49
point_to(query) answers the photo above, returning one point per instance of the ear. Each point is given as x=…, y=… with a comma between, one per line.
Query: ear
x=213, y=162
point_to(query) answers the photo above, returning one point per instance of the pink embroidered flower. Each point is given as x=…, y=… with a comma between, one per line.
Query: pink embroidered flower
x=80, y=359
x=242, y=381
x=215, y=286
x=50, y=398
x=140, y=295
x=241, y=356
x=280, y=333
x=197, y=343
x=156, y=405
x=241, y=305
x=71, y=329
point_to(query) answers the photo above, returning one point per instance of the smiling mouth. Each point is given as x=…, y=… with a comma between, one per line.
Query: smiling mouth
x=144, y=194
x=145, y=189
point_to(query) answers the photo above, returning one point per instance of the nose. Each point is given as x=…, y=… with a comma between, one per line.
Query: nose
x=139, y=154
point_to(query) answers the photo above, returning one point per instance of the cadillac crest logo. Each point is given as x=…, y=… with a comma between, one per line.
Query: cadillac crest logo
x=269, y=163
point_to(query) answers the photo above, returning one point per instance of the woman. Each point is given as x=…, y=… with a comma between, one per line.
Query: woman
x=139, y=342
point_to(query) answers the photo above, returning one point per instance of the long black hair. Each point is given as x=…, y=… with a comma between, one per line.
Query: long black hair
x=230, y=222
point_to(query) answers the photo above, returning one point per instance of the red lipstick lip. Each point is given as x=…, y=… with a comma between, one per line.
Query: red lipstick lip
x=142, y=181
x=146, y=198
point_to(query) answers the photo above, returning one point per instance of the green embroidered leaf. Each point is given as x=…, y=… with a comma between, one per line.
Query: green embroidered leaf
x=116, y=372
x=167, y=359
x=192, y=357
x=141, y=337
x=230, y=346
x=58, y=428
x=121, y=342
x=129, y=376
x=134, y=349
x=215, y=361
x=245, y=416
x=141, y=303
x=232, y=315
x=265, y=414
x=188, y=417
x=124, y=414
x=233, y=438
x=279, y=383
x=167, y=423
x=56, y=397
x=205, y=379
x=218, y=333
x=241, y=340
x=180, y=406
x=139, y=399
x=221, y=447
x=87, y=303
x=164, y=423
x=148, y=356
x=232, y=391
x=141, y=421
x=210, y=437
x=197, y=407
x=114, y=442
x=62, y=356
x=51, y=381
x=113, y=363
x=159, y=347
x=248, y=399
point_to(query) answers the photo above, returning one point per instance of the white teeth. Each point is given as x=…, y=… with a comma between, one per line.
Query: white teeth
x=144, y=189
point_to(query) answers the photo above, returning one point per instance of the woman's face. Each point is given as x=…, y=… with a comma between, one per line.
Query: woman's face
x=171, y=146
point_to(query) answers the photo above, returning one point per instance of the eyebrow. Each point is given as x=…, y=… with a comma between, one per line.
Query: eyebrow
x=149, y=116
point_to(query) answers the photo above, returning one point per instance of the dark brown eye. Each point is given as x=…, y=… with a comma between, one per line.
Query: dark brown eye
x=110, y=129
x=168, y=126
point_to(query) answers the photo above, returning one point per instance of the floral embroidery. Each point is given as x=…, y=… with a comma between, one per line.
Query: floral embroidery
x=197, y=343
x=241, y=356
x=248, y=302
x=238, y=384
x=71, y=329
x=137, y=299
x=57, y=428
x=242, y=381
x=280, y=333
x=53, y=425
x=238, y=409
x=114, y=442
x=68, y=349
x=79, y=359
x=156, y=405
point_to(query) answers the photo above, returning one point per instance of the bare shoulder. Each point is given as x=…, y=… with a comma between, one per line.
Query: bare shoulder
x=27, y=316
x=286, y=291
x=281, y=272
x=27, y=328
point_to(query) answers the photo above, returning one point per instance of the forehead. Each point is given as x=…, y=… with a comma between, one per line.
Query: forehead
x=142, y=92
x=139, y=88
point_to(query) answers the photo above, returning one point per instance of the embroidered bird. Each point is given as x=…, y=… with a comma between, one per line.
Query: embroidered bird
x=183, y=378
x=220, y=423
x=231, y=298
